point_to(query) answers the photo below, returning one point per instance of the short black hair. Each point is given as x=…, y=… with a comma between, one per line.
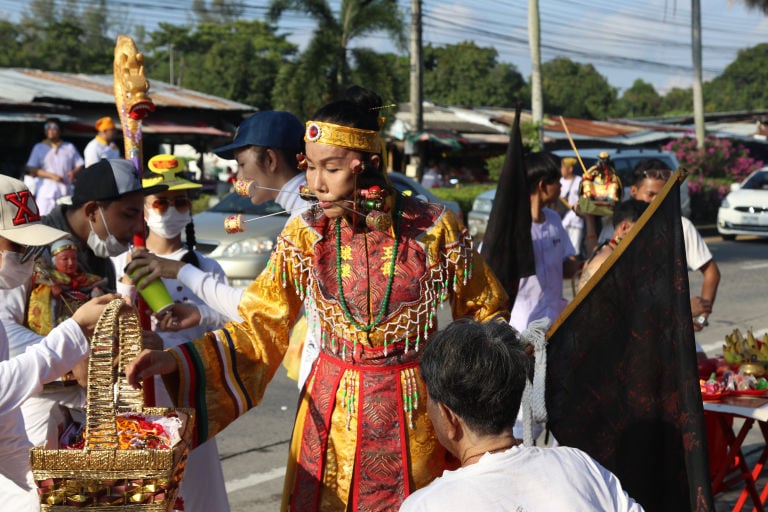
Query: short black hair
x=630, y=210
x=479, y=371
x=542, y=166
x=645, y=165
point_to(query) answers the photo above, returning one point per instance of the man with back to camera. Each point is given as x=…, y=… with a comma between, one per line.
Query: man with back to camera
x=475, y=374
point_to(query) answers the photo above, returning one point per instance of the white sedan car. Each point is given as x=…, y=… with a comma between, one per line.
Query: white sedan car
x=745, y=210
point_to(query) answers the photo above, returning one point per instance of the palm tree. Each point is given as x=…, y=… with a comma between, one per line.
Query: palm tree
x=758, y=4
x=328, y=51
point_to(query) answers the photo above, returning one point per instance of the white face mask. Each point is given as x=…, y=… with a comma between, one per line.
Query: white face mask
x=14, y=273
x=168, y=225
x=105, y=248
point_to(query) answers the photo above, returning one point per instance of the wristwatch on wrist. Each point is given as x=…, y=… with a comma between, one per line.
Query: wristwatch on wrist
x=701, y=320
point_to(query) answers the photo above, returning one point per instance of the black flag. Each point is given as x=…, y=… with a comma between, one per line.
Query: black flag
x=507, y=245
x=622, y=379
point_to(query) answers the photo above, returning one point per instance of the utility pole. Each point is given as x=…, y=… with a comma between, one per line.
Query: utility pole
x=170, y=63
x=416, y=98
x=534, y=44
x=698, y=94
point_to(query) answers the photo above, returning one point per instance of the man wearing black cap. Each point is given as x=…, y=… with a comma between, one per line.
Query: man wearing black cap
x=107, y=209
x=265, y=147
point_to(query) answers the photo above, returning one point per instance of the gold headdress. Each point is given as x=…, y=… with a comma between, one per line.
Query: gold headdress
x=343, y=136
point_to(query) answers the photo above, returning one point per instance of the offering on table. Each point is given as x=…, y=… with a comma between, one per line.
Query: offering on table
x=740, y=349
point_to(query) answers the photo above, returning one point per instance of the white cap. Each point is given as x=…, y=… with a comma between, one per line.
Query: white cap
x=20, y=218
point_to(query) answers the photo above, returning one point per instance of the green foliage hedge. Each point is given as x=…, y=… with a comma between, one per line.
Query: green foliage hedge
x=463, y=194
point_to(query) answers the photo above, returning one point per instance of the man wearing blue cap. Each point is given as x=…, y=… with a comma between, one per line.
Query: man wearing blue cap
x=265, y=148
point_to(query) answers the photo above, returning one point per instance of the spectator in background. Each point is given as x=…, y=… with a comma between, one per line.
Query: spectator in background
x=569, y=194
x=475, y=375
x=54, y=164
x=625, y=215
x=102, y=145
x=541, y=295
x=432, y=178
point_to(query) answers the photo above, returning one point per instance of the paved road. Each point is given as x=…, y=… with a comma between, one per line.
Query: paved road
x=253, y=449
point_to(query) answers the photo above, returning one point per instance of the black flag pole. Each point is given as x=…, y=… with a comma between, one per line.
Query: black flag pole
x=507, y=245
x=622, y=378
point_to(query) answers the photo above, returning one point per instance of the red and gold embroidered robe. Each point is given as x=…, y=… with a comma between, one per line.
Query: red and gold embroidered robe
x=362, y=439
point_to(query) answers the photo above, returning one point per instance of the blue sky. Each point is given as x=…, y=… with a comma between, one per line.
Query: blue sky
x=623, y=39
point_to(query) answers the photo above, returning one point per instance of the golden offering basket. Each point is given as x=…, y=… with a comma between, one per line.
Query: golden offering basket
x=101, y=477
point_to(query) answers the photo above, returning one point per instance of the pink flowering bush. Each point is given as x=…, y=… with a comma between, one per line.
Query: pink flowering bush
x=719, y=158
x=711, y=170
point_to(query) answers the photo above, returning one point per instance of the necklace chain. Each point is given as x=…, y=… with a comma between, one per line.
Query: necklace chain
x=495, y=450
x=385, y=303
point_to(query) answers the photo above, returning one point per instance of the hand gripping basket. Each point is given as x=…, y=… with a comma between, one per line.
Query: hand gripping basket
x=102, y=477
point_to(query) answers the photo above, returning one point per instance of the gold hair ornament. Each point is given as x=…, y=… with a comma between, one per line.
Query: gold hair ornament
x=343, y=136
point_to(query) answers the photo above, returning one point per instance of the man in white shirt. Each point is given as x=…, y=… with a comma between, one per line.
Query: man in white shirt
x=53, y=356
x=475, y=375
x=102, y=145
x=650, y=177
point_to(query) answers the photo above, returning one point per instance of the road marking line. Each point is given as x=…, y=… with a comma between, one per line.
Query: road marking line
x=254, y=479
x=754, y=266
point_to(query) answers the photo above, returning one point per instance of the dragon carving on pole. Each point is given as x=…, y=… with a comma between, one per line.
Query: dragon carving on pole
x=133, y=105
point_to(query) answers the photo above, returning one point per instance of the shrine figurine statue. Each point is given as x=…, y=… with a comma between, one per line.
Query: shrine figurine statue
x=59, y=287
x=600, y=188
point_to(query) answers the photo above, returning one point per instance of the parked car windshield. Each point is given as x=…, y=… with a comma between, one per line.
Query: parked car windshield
x=758, y=181
x=235, y=203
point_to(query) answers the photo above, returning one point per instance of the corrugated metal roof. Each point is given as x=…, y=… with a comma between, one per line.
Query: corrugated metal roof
x=18, y=85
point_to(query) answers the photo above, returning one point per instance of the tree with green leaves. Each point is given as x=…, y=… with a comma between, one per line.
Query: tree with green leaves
x=742, y=85
x=466, y=74
x=758, y=4
x=324, y=69
x=65, y=38
x=239, y=60
x=218, y=11
x=677, y=101
x=575, y=90
x=640, y=100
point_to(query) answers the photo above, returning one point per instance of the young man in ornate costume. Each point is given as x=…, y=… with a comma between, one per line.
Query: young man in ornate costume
x=375, y=265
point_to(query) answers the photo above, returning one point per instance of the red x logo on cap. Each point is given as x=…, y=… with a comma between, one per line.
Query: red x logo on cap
x=25, y=214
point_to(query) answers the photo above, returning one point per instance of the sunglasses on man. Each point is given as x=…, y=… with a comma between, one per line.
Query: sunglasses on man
x=654, y=174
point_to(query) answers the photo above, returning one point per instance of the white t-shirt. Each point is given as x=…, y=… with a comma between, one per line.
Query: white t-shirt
x=696, y=251
x=541, y=295
x=21, y=377
x=569, y=190
x=526, y=479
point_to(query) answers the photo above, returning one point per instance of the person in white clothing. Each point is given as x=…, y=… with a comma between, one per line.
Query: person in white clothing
x=650, y=177
x=569, y=193
x=475, y=374
x=167, y=215
x=53, y=165
x=102, y=145
x=54, y=355
x=541, y=295
x=105, y=213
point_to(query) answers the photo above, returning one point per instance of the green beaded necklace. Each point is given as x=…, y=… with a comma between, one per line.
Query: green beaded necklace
x=385, y=304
